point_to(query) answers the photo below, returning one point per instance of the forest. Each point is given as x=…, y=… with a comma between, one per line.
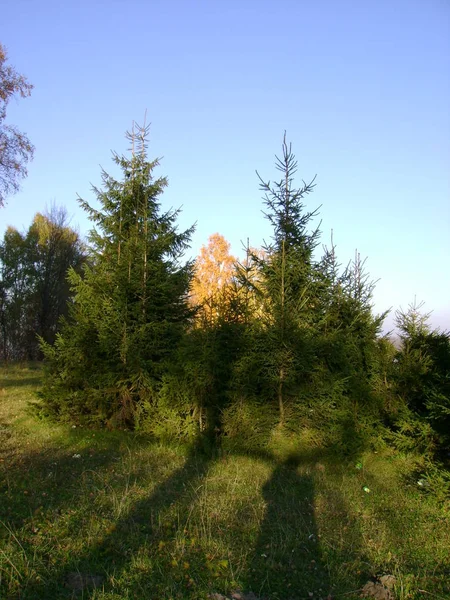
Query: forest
x=238, y=352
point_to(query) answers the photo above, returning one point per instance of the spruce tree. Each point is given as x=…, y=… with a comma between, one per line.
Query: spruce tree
x=422, y=373
x=280, y=346
x=130, y=305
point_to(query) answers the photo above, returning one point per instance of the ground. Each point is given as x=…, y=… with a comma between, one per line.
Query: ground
x=118, y=515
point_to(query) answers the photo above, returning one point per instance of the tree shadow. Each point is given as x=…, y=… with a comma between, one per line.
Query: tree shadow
x=44, y=481
x=142, y=529
x=287, y=550
x=288, y=560
x=293, y=557
x=6, y=382
x=41, y=496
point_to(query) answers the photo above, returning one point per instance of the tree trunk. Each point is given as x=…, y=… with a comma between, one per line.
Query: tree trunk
x=280, y=396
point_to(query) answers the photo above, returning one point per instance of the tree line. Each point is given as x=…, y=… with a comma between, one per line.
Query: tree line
x=34, y=291
x=281, y=343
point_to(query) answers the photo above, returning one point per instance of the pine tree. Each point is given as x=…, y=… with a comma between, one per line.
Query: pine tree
x=130, y=306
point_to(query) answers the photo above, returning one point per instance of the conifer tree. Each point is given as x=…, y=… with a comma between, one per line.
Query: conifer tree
x=349, y=347
x=197, y=387
x=422, y=373
x=130, y=307
x=281, y=344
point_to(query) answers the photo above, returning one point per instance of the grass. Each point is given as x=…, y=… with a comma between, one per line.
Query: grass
x=114, y=515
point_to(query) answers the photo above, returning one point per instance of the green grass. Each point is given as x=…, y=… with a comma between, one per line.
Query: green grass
x=142, y=520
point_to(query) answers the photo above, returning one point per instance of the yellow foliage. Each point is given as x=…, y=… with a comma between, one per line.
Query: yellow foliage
x=214, y=278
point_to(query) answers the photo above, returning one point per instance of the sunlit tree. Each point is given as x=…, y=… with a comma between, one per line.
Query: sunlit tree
x=213, y=284
x=130, y=306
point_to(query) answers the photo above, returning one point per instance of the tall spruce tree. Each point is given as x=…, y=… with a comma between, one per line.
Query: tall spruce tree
x=279, y=353
x=130, y=306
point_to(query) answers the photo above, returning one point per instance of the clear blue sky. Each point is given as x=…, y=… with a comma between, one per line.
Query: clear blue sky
x=362, y=88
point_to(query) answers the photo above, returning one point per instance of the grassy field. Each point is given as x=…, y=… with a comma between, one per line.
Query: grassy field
x=114, y=515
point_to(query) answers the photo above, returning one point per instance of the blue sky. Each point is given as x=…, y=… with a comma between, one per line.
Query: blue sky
x=361, y=87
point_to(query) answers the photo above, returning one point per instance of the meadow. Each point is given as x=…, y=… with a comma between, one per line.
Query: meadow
x=114, y=515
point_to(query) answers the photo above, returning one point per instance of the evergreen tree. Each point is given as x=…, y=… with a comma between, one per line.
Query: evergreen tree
x=351, y=356
x=422, y=373
x=130, y=308
x=195, y=391
x=313, y=345
x=348, y=328
x=279, y=345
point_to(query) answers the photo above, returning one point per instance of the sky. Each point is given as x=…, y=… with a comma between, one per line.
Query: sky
x=362, y=89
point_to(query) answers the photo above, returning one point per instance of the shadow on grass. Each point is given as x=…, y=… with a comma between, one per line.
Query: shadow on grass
x=48, y=479
x=287, y=558
x=17, y=374
x=291, y=559
x=6, y=382
x=113, y=558
x=44, y=501
x=139, y=553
